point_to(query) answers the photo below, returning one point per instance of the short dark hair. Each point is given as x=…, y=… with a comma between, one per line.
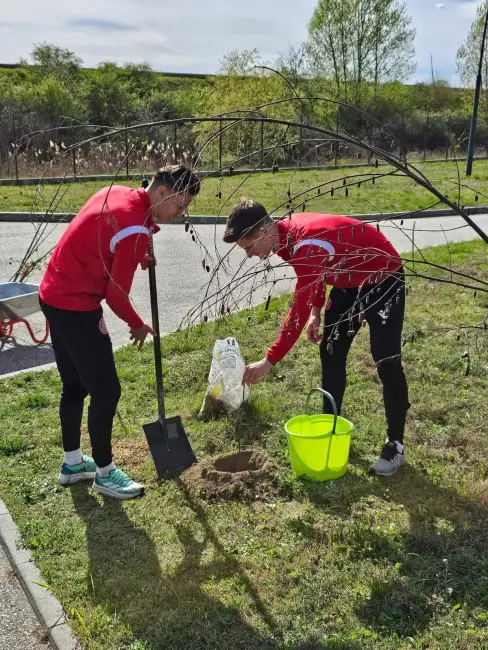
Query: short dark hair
x=246, y=217
x=178, y=178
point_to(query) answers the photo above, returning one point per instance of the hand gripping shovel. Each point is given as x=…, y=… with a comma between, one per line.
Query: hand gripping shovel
x=167, y=439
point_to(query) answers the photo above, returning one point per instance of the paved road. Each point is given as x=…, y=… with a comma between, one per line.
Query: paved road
x=19, y=627
x=181, y=277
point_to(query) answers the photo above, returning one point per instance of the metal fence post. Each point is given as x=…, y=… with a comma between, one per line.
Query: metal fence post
x=15, y=150
x=448, y=137
x=402, y=136
x=126, y=150
x=338, y=119
x=220, y=144
x=73, y=151
x=426, y=130
x=175, y=139
x=300, y=146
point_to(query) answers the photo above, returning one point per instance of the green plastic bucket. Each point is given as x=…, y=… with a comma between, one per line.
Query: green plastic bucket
x=319, y=444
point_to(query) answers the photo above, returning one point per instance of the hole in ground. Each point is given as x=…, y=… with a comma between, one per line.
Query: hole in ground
x=247, y=475
x=246, y=461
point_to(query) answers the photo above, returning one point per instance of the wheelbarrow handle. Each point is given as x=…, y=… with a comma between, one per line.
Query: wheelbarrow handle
x=331, y=400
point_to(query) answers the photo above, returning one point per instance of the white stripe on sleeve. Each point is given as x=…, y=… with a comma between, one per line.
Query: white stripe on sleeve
x=127, y=232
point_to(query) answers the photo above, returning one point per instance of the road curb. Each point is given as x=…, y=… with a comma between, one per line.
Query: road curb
x=66, y=217
x=47, y=608
x=43, y=367
x=41, y=217
x=52, y=364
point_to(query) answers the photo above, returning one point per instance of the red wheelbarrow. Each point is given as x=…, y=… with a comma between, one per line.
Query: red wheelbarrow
x=18, y=300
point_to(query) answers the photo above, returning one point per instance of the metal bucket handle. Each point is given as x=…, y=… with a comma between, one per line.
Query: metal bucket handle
x=331, y=400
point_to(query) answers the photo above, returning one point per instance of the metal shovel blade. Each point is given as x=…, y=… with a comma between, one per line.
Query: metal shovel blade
x=169, y=446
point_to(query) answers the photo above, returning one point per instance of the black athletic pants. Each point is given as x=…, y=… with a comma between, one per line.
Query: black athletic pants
x=383, y=307
x=85, y=361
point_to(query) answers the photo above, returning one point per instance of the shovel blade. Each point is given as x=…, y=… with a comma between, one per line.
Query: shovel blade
x=169, y=446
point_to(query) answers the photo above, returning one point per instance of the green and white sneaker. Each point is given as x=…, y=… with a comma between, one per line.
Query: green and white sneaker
x=84, y=471
x=389, y=462
x=117, y=485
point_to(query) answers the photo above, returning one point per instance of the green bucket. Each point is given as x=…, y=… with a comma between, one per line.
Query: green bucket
x=319, y=444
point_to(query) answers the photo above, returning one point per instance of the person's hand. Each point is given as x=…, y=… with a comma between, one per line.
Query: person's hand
x=146, y=261
x=256, y=371
x=138, y=335
x=313, y=327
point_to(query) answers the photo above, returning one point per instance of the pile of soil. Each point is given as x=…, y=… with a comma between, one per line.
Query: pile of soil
x=244, y=476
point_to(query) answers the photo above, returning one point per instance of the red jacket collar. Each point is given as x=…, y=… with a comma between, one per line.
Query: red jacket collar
x=141, y=192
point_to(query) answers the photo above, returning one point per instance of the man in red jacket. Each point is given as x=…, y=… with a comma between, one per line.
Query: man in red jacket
x=367, y=279
x=96, y=259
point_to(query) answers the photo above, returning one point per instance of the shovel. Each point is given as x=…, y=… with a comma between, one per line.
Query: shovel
x=167, y=439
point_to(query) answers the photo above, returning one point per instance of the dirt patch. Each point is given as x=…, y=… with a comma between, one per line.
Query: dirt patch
x=129, y=454
x=244, y=476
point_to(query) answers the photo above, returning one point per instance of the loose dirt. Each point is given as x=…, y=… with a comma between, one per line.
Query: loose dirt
x=244, y=476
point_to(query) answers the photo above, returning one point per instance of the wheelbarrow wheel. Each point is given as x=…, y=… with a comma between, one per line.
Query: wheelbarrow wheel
x=6, y=328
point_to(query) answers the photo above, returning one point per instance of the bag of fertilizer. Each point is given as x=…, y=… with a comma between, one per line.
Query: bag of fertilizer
x=225, y=391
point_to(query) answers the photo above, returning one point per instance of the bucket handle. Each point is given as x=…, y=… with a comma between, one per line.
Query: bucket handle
x=331, y=400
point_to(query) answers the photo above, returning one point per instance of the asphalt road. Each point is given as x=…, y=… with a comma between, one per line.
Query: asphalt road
x=181, y=278
x=19, y=627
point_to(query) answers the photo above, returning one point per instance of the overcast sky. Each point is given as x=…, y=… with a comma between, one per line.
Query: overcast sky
x=192, y=35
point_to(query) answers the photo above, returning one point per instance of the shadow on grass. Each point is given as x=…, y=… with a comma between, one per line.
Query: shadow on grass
x=173, y=609
x=234, y=568
x=440, y=559
x=163, y=610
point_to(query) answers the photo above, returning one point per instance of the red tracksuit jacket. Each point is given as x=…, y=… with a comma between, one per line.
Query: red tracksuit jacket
x=327, y=249
x=99, y=252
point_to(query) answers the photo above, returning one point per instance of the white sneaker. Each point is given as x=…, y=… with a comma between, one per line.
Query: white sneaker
x=389, y=462
x=74, y=473
x=117, y=485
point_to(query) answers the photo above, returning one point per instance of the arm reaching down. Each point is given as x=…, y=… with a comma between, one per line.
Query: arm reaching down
x=309, y=293
x=129, y=253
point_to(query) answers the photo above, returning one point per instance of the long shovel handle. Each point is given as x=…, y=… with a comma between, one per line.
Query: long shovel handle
x=155, y=325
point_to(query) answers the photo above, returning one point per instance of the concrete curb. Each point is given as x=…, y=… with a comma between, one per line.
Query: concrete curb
x=45, y=366
x=47, y=608
x=39, y=217
x=66, y=217
x=52, y=364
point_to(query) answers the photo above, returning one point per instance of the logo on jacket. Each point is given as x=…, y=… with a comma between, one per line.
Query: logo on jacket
x=383, y=315
x=102, y=326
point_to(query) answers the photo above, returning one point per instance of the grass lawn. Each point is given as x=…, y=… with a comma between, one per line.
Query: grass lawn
x=395, y=195
x=358, y=563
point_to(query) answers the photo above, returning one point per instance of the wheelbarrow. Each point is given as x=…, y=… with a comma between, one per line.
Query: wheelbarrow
x=18, y=300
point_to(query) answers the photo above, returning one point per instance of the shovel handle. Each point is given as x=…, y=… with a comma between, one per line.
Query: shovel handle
x=155, y=325
x=331, y=400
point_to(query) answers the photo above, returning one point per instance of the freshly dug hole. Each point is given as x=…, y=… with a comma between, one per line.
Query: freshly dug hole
x=246, y=476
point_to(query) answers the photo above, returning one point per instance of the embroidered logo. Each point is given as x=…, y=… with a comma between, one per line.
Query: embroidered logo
x=102, y=326
x=383, y=315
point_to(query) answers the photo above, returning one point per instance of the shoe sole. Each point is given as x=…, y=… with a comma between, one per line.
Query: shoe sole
x=69, y=479
x=116, y=495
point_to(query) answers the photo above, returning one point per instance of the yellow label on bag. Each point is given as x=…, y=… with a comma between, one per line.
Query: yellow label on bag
x=216, y=391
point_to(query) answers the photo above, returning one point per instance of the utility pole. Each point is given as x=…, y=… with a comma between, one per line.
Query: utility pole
x=474, y=118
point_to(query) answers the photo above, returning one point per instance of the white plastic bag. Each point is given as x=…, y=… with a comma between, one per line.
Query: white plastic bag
x=225, y=390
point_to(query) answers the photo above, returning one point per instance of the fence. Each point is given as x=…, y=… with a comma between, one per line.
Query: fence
x=257, y=144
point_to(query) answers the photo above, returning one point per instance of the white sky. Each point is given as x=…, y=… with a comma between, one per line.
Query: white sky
x=193, y=35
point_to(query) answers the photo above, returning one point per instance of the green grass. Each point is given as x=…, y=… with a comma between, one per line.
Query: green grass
x=387, y=195
x=358, y=563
